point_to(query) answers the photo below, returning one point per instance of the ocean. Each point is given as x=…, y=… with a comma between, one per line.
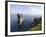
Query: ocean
x=28, y=19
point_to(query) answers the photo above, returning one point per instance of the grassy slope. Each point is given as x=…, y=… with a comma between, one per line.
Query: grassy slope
x=36, y=28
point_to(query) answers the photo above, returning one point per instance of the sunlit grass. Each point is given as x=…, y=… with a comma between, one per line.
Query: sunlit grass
x=36, y=28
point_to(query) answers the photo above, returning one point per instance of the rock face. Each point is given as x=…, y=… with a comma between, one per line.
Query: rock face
x=20, y=21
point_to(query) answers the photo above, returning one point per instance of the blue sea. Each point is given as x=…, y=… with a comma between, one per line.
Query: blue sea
x=28, y=19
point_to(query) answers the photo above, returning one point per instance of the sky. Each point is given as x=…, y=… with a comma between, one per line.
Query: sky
x=25, y=9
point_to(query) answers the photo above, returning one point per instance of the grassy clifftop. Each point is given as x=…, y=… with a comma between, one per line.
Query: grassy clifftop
x=37, y=25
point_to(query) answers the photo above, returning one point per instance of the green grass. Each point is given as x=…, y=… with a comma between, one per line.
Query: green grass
x=36, y=28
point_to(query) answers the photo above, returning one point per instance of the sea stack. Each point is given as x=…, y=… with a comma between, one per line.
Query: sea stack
x=20, y=21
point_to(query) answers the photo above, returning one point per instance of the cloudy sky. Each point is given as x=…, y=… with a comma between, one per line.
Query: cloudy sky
x=25, y=9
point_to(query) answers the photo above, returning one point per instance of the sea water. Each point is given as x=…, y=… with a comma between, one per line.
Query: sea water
x=28, y=19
